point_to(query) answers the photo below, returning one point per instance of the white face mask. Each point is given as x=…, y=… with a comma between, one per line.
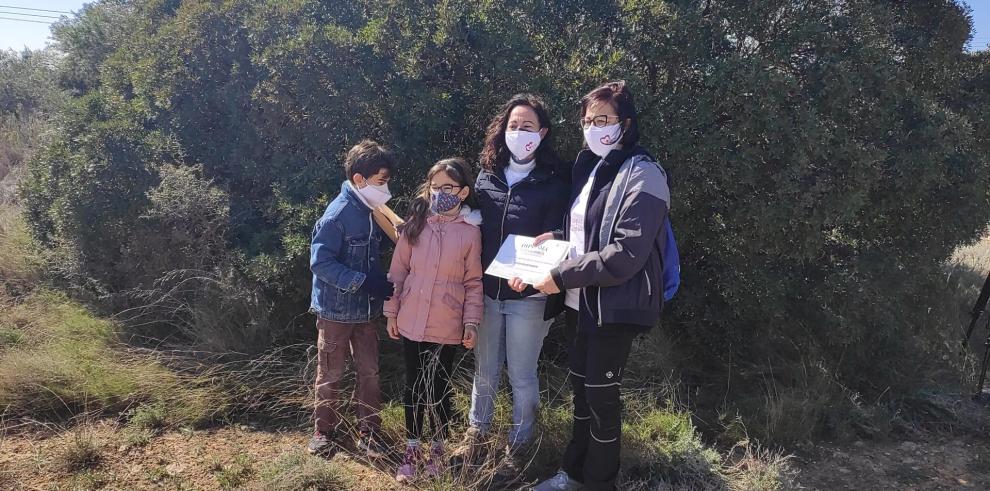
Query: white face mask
x=375, y=195
x=522, y=144
x=601, y=141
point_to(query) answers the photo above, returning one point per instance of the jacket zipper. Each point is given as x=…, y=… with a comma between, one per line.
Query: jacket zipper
x=371, y=231
x=587, y=244
x=649, y=287
x=611, y=229
x=501, y=230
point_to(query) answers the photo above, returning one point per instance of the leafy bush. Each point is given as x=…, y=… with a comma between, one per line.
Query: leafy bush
x=827, y=157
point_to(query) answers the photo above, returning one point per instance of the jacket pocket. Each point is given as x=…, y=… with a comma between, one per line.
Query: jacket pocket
x=357, y=253
x=453, y=299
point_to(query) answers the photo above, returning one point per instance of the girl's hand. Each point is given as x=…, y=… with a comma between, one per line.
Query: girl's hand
x=393, y=328
x=539, y=239
x=470, y=335
x=547, y=285
x=517, y=285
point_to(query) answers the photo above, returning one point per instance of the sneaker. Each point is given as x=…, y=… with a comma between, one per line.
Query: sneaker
x=372, y=446
x=407, y=471
x=470, y=449
x=560, y=482
x=321, y=444
x=434, y=462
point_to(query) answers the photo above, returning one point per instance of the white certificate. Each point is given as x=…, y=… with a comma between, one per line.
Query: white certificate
x=519, y=258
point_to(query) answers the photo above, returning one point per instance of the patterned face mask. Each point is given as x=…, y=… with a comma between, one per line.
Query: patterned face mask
x=443, y=202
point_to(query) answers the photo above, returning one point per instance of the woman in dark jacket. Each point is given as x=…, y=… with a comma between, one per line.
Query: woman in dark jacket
x=520, y=192
x=612, y=278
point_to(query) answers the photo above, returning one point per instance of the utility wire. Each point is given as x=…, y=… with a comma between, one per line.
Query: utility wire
x=31, y=15
x=28, y=20
x=36, y=10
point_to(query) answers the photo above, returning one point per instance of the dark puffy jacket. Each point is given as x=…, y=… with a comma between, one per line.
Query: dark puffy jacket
x=534, y=205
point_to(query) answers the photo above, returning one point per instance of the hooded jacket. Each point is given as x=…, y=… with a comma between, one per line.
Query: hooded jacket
x=438, y=280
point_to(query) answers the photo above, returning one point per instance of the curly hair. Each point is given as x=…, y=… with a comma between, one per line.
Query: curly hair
x=495, y=153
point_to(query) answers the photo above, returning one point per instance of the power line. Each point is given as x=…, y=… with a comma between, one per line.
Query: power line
x=31, y=15
x=36, y=10
x=28, y=20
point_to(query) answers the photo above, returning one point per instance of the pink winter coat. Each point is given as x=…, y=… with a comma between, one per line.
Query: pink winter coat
x=438, y=280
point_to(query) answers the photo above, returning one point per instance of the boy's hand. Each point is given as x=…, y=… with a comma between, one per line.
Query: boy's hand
x=393, y=328
x=470, y=335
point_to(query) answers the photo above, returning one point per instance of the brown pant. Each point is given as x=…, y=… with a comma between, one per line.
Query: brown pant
x=337, y=340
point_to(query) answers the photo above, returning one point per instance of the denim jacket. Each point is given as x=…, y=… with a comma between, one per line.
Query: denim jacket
x=344, y=250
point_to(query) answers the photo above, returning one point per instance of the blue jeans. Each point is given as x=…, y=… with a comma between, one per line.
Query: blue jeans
x=511, y=335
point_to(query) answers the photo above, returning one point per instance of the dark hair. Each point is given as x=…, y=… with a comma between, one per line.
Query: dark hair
x=367, y=158
x=496, y=154
x=419, y=210
x=620, y=97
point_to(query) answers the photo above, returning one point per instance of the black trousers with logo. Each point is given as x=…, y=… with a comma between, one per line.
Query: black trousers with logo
x=597, y=360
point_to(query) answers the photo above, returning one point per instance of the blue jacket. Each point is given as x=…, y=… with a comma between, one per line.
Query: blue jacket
x=344, y=250
x=534, y=205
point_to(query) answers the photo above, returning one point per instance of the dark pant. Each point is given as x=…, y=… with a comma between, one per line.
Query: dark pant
x=336, y=341
x=428, y=368
x=596, y=360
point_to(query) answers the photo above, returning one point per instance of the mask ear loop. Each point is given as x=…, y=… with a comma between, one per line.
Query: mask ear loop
x=622, y=133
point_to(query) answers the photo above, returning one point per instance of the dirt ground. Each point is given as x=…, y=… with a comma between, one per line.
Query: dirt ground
x=173, y=460
x=936, y=464
x=34, y=460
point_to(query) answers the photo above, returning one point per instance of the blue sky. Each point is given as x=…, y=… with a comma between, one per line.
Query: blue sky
x=18, y=34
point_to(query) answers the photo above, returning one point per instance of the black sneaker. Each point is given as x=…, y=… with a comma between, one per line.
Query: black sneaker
x=370, y=445
x=321, y=444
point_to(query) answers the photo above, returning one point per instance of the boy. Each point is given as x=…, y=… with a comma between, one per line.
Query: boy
x=349, y=288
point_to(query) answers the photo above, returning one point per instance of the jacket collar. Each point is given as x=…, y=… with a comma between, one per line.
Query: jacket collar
x=466, y=215
x=615, y=157
x=351, y=195
x=539, y=173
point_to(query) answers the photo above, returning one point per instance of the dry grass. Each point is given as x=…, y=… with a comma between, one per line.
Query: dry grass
x=60, y=361
x=20, y=269
x=81, y=453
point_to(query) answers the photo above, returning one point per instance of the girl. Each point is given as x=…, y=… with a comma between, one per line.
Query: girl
x=519, y=192
x=436, y=269
x=613, y=278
